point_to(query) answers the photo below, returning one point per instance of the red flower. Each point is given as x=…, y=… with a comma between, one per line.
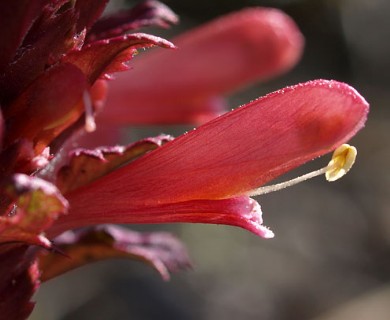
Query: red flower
x=55, y=58
x=205, y=175
x=188, y=84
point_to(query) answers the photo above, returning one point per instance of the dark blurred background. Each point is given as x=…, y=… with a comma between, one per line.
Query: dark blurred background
x=330, y=258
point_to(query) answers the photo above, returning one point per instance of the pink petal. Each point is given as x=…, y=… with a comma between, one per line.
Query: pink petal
x=225, y=158
x=212, y=60
x=242, y=212
x=245, y=148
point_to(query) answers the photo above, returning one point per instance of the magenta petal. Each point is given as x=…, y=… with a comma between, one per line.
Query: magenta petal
x=243, y=149
x=161, y=250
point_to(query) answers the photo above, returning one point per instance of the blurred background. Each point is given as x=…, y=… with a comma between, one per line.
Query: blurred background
x=330, y=258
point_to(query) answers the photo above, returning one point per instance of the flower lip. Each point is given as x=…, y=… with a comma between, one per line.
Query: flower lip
x=241, y=212
x=194, y=177
x=246, y=148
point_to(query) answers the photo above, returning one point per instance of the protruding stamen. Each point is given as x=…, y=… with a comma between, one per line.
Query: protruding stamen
x=90, y=125
x=342, y=161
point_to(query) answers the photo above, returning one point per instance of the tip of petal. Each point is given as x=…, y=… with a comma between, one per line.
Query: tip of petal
x=214, y=59
x=266, y=233
x=254, y=221
x=273, y=37
x=358, y=102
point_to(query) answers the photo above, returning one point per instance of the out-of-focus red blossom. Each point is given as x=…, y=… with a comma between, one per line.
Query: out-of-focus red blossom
x=225, y=55
x=55, y=59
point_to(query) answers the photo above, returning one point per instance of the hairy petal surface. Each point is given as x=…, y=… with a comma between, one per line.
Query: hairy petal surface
x=161, y=250
x=223, y=159
x=243, y=149
x=212, y=60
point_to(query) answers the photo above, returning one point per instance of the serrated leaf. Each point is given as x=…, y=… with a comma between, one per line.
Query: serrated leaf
x=110, y=55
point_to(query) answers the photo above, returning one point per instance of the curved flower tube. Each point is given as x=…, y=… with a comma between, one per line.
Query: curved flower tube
x=188, y=84
x=204, y=175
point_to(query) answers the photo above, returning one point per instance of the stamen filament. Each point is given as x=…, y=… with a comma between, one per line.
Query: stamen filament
x=289, y=183
x=343, y=159
x=90, y=125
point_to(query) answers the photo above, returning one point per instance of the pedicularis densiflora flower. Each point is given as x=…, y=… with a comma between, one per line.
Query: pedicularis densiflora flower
x=57, y=59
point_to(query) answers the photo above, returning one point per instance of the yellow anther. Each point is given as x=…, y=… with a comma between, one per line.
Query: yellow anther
x=342, y=161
